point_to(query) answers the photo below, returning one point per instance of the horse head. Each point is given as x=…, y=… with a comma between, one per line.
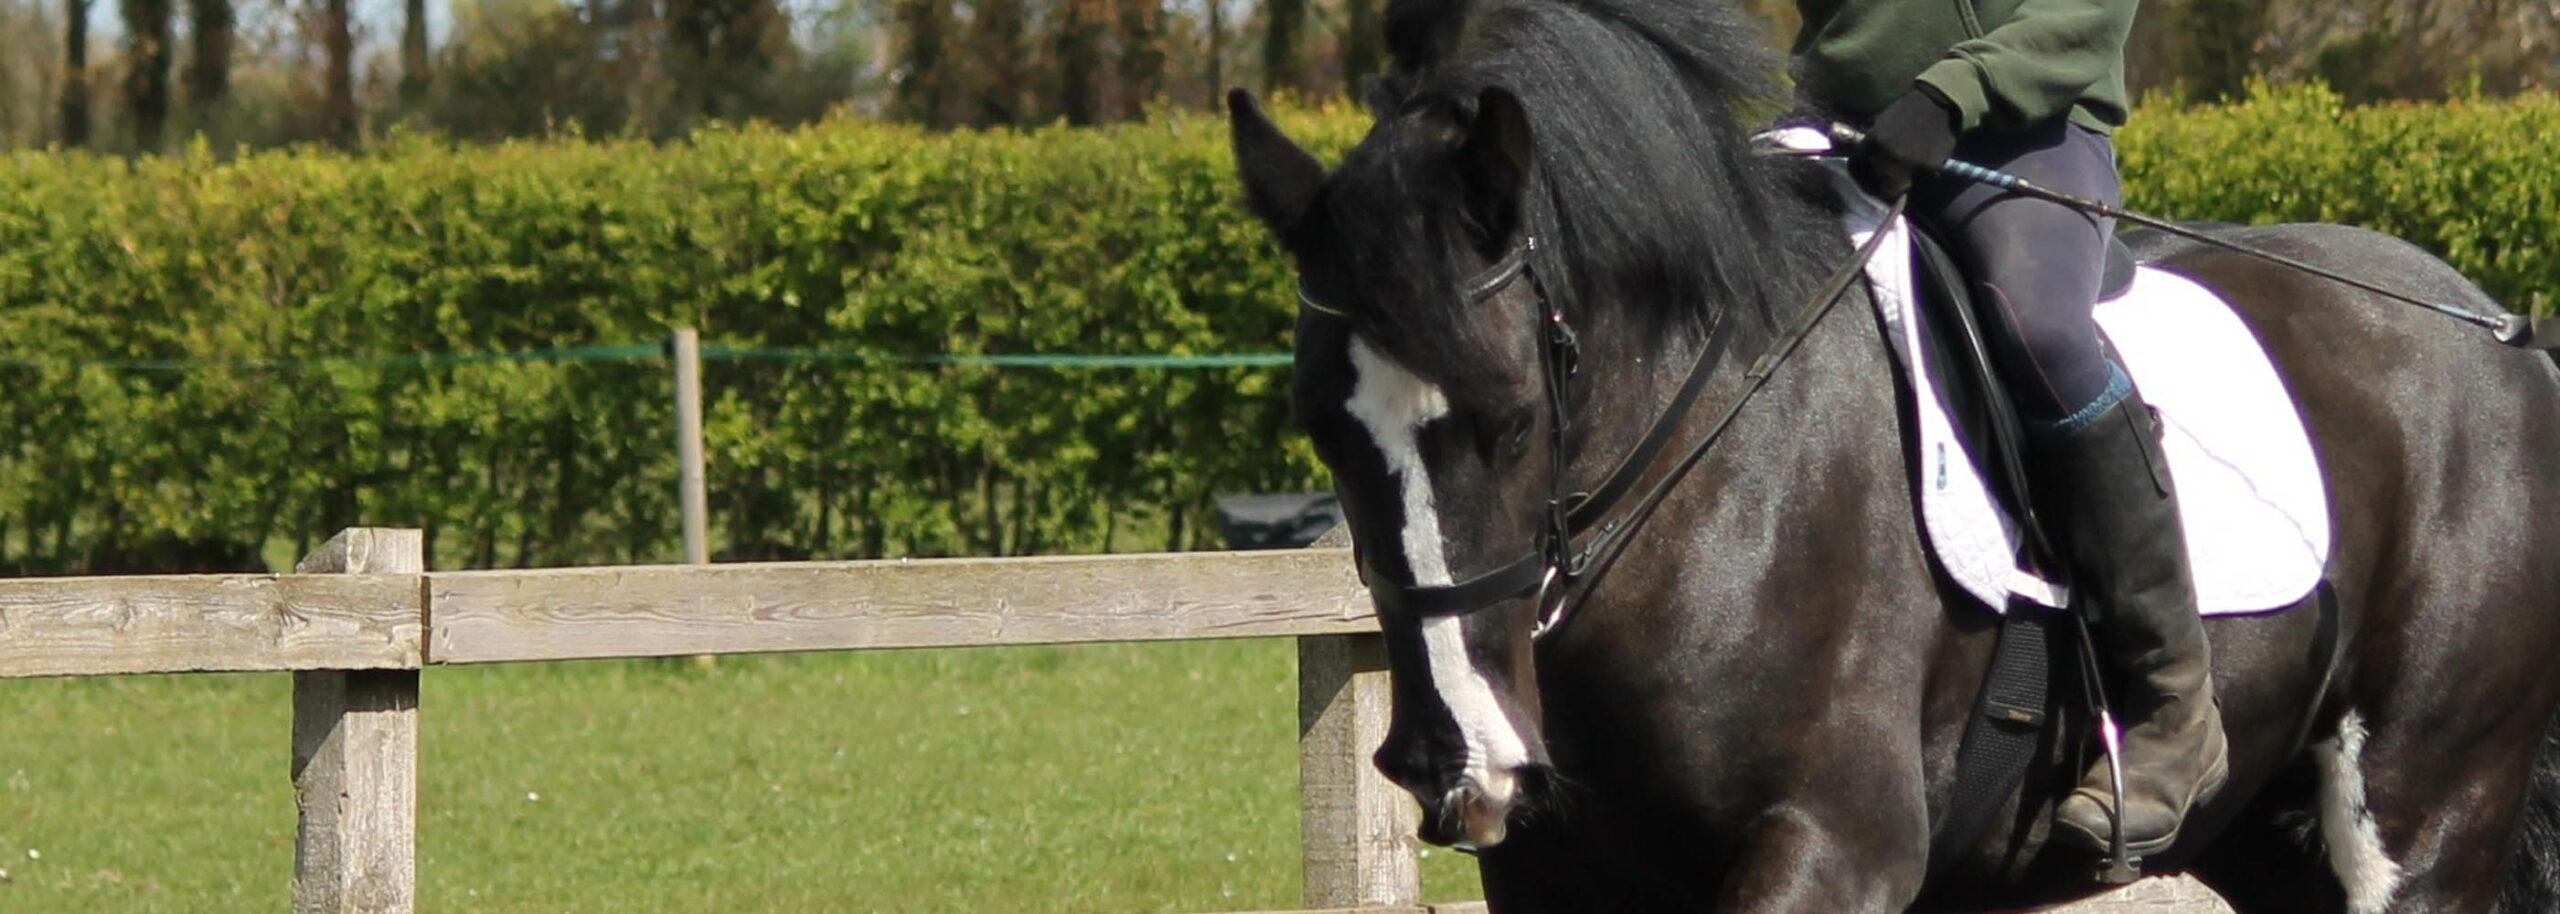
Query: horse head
x=1427, y=400
x=1557, y=202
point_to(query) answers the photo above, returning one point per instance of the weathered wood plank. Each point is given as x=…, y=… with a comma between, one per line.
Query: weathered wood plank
x=1391, y=909
x=186, y=623
x=570, y=613
x=2168, y=895
x=355, y=757
x=2173, y=895
x=1356, y=829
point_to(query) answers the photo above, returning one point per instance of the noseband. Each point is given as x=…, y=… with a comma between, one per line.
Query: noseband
x=1553, y=567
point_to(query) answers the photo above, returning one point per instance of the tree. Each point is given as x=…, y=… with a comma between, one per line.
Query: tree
x=148, y=51
x=1282, y=64
x=1142, y=55
x=996, y=43
x=1080, y=61
x=1217, y=51
x=210, y=27
x=725, y=53
x=413, y=52
x=2207, y=48
x=339, y=113
x=924, y=81
x=75, y=73
x=1364, y=47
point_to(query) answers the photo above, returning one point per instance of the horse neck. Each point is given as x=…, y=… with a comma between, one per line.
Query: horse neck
x=1637, y=355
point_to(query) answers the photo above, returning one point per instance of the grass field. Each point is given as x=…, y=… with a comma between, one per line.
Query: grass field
x=1090, y=778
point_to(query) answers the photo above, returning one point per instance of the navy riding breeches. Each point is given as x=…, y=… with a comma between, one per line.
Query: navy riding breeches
x=2035, y=266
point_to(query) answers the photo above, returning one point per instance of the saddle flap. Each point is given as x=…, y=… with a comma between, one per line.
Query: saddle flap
x=2249, y=486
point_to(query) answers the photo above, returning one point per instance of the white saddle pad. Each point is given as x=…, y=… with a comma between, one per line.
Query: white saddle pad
x=2249, y=489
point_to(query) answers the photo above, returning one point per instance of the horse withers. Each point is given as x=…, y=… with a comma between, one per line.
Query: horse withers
x=1754, y=696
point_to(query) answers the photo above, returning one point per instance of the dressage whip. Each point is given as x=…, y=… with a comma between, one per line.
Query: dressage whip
x=2517, y=330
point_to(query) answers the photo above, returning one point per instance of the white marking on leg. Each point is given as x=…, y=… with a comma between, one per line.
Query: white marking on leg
x=1394, y=404
x=2354, y=841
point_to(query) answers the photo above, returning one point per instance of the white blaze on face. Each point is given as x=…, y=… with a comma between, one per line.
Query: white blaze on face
x=1394, y=404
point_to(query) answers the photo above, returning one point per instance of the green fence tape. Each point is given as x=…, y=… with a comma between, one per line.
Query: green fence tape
x=1002, y=360
x=709, y=353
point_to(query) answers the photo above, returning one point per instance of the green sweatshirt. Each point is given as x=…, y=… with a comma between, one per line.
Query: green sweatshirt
x=2004, y=63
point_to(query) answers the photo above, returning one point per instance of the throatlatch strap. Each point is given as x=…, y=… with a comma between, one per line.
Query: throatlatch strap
x=2000, y=738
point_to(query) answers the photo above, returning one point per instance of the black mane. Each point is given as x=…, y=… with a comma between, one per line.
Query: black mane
x=1646, y=193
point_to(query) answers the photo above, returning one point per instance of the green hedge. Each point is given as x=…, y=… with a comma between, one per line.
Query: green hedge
x=851, y=237
x=207, y=364
x=2475, y=181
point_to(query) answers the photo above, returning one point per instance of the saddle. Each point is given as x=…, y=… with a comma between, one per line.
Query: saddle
x=2249, y=486
x=2246, y=475
x=1957, y=360
x=2250, y=492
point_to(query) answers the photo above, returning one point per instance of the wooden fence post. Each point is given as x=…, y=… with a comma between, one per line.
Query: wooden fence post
x=355, y=757
x=686, y=349
x=692, y=499
x=1358, y=829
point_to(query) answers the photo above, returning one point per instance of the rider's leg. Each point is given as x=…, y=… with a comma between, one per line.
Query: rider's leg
x=2099, y=480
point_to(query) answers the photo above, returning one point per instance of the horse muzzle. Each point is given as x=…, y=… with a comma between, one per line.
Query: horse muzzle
x=1471, y=817
x=1473, y=814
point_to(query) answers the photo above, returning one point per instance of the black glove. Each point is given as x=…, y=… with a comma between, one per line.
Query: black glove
x=1912, y=136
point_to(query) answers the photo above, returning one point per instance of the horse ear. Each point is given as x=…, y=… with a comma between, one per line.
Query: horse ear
x=1493, y=160
x=1280, y=179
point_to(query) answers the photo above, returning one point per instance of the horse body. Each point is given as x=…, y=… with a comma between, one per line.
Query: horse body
x=1757, y=706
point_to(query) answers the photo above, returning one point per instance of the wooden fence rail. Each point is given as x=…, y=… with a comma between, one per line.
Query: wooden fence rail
x=361, y=617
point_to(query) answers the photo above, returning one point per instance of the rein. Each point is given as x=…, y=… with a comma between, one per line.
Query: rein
x=1554, y=567
x=2516, y=330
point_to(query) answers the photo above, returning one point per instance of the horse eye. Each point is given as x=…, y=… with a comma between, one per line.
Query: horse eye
x=1516, y=438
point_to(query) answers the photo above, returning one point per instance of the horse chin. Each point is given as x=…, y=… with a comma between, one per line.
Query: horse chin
x=1473, y=817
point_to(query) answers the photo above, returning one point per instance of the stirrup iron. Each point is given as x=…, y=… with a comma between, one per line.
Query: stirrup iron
x=2121, y=867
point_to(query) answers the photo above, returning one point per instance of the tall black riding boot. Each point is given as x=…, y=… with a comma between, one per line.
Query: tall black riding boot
x=2104, y=489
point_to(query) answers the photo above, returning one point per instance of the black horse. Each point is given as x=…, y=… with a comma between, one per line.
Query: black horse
x=1758, y=706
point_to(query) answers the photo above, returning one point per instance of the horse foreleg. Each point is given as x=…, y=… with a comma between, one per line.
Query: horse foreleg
x=1591, y=861
x=1844, y=857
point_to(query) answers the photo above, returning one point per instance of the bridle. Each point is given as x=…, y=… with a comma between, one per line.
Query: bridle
x=1553, y=567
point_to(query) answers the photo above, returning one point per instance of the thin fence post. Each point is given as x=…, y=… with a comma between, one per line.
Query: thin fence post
x=355, y=757
x=687, y=349
x=1358, y=829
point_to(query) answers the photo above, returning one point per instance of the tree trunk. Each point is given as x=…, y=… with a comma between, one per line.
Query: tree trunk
x=146, y=82
x=690, y=24
x=75, y=73
x=1364, y=46
x=210, y=25
x=1142, y=55
x=1217, y=53
x=996, y=41
x=923, y=93
x=340, y=116
x=751, y=41
x=1079, y=61
x=413, y=52
x=1282, y=66
x=2226, y=35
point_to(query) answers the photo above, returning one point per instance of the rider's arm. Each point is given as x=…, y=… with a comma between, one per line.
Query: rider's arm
x=2036, y=64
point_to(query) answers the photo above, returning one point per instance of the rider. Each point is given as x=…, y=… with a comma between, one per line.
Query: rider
x=2034, y=87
